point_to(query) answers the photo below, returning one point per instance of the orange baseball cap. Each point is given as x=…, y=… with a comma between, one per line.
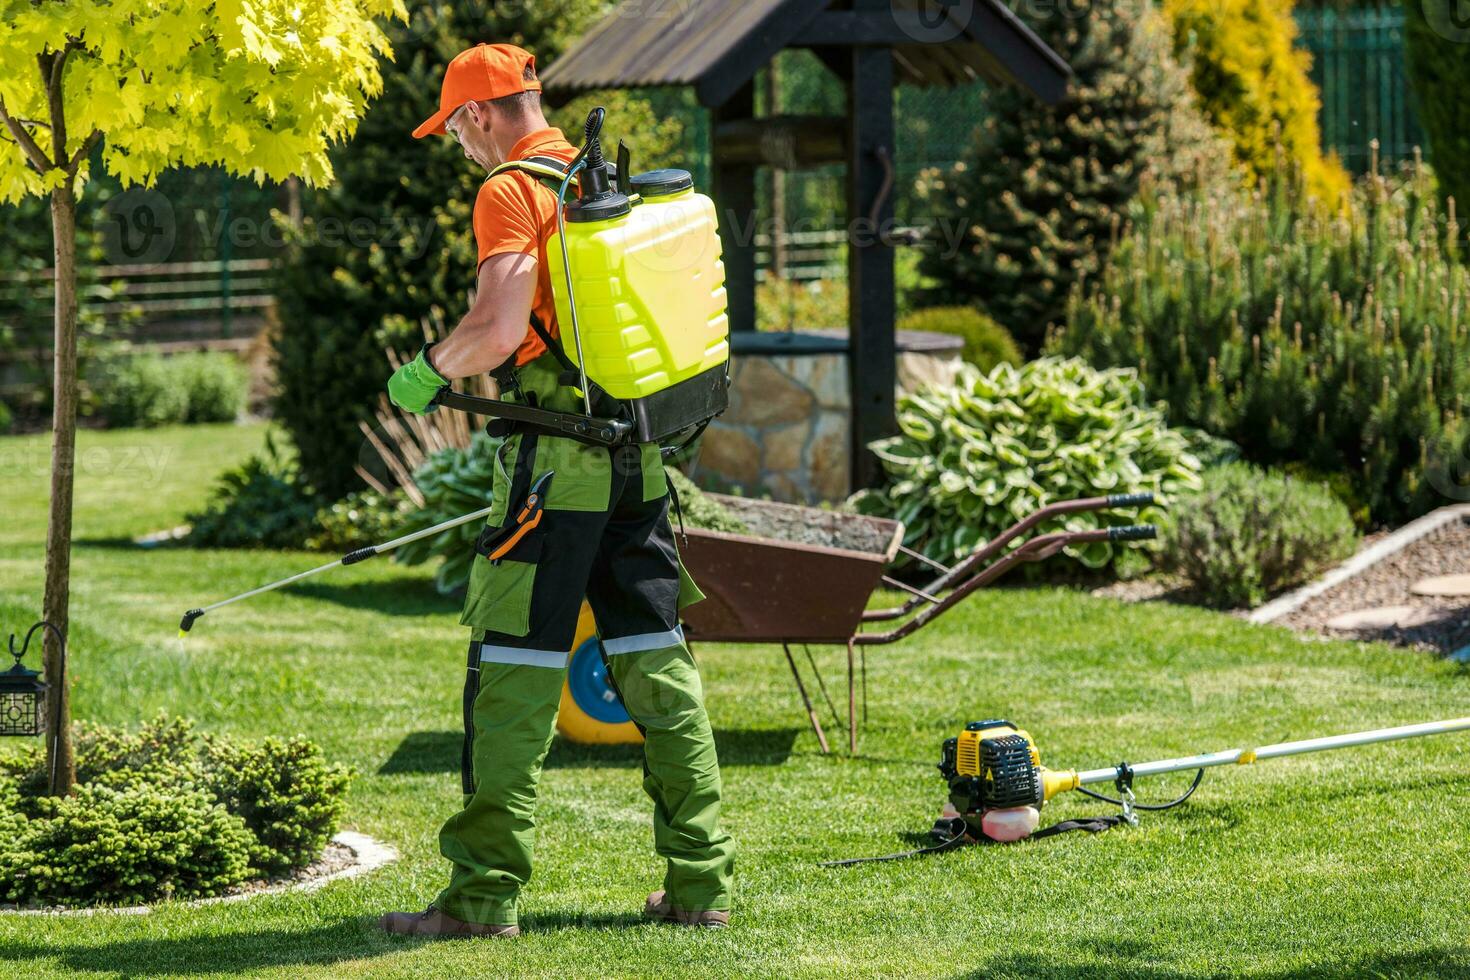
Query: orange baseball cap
x=486, y=71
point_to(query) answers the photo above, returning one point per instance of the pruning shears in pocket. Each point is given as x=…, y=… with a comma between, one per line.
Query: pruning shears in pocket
x=495, y=543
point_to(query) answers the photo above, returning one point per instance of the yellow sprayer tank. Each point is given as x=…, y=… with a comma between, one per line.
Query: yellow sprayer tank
x=649, y=288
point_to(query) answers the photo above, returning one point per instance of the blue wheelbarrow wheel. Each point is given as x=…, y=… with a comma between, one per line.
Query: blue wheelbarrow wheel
x=590, y=710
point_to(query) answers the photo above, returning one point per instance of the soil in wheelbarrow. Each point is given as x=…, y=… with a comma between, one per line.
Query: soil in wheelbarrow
x=808, y=525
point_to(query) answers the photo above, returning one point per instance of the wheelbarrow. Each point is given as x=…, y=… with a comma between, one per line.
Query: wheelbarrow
x=780, y=591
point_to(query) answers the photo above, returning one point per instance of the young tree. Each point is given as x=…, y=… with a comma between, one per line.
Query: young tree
x=137, y=86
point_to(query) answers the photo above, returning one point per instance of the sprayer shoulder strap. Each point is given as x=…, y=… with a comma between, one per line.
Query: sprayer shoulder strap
x=549, y=172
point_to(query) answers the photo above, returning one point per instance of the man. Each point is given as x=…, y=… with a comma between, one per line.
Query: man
x=604, y=534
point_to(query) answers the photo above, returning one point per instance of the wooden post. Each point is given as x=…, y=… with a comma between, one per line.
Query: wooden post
x=872, y=357
x=734, y=192
x=778, y=176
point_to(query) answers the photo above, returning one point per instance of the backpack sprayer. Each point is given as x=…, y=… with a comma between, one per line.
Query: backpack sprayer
x=998, y=786
x=643, y=290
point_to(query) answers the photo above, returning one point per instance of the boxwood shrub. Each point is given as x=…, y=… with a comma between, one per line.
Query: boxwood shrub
x=987, y=343
x=141, y=390
x=163, y=812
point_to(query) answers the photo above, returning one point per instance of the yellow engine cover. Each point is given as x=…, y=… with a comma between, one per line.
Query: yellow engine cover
x=967, y=748
x=650, y=291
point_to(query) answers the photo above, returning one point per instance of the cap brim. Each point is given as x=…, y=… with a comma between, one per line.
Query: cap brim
x=434, y=124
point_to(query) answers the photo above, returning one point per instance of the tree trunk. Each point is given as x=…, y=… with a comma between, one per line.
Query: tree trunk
x=60, y=762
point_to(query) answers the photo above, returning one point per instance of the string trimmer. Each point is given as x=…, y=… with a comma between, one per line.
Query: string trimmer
x=998, y=786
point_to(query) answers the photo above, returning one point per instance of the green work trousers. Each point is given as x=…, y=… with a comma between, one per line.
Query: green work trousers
x=604, y=534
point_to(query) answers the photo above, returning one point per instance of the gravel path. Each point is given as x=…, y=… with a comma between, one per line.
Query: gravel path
x=1443, y=551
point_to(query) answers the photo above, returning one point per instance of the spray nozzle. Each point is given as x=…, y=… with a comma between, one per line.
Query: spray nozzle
x=187, y=623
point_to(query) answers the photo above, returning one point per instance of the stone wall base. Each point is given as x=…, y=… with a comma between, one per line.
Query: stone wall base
x=785, y=434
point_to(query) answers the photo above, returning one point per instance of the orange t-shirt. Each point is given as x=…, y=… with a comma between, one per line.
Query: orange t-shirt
x=515, y=212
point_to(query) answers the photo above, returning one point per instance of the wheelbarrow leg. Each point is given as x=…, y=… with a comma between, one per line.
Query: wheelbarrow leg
x=851, y=703
x=822, y=685
x=811, y=712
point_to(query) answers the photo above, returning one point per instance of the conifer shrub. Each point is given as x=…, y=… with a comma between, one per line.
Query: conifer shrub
x=1043, y=193
x=1253, y=85
x=106, y=846
x=1336, y=342
x=163, y=812
x=283, y=790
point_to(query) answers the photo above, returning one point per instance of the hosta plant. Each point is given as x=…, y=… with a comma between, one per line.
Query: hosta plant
x=977, y=455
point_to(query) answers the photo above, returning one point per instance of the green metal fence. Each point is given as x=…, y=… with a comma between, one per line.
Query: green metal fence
x=1358, y=66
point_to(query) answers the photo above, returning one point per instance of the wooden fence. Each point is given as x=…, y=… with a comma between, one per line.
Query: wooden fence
x=166, y=303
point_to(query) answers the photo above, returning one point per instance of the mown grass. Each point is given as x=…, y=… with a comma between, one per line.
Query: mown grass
x=1351, y=863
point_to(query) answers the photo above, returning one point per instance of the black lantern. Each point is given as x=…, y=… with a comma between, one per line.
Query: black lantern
x=22, y=693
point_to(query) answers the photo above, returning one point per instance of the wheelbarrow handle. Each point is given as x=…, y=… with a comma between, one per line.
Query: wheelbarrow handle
x=996, y=545
x=1130, y=499
x=1133, y=532
x=1034, y=549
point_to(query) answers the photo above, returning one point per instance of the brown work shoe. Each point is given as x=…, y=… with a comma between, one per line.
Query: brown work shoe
x=660, y=909
x=436, y=925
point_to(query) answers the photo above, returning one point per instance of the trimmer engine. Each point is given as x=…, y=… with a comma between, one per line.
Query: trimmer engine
x=997, y=784
x=992, y=765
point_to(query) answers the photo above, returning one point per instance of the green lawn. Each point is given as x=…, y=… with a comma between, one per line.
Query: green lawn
x=1346, y=863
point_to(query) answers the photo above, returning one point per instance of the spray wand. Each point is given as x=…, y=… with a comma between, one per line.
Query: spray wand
x=351, y=558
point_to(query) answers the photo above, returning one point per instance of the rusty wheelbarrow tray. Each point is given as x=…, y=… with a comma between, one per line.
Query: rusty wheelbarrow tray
x=773, y=590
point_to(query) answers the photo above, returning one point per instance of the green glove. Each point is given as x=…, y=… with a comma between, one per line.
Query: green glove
x=415, y=384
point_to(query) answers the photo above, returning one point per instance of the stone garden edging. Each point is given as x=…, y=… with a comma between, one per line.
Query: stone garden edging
x=1379, y=550
x=368, y=855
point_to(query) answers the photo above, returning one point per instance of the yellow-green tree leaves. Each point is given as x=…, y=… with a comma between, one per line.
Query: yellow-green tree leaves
x=260, y=87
